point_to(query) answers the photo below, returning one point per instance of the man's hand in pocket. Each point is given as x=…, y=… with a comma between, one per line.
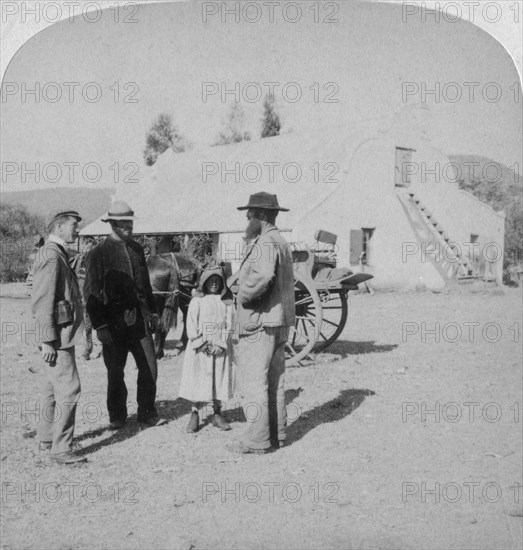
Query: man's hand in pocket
x=153, y=322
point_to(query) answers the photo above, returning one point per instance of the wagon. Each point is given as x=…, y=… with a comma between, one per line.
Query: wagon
x=321, y=291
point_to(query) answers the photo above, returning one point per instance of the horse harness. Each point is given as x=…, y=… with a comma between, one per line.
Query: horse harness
x=187, y=279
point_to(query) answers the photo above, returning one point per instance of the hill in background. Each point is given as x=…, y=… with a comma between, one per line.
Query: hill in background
x=491, y=182
x=90, y=203
x=501, y=188
x=488, y=180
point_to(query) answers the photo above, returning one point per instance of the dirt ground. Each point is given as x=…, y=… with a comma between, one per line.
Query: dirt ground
x=399, y=437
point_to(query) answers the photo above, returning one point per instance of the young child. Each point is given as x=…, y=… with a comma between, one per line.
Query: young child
x=208, y=373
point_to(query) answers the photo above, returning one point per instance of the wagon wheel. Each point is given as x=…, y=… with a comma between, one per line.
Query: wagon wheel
x=334, y=308
x=306, y=331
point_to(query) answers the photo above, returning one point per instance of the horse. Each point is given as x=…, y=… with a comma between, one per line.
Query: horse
x=173, y=277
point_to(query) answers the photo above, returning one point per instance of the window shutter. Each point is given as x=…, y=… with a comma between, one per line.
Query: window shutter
x=356, y=246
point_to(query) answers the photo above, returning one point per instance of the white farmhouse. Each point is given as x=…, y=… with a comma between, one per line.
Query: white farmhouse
x=389, y=195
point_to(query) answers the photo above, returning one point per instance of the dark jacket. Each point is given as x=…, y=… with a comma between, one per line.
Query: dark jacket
x=117, y=280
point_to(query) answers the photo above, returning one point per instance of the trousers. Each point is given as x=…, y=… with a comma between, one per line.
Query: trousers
x=115, y=357
x=261, y=374
x=60, y=393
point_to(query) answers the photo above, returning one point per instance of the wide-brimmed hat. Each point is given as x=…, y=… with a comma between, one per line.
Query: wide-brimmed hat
x=120, y=211
x=62, y=213
x=263, y=200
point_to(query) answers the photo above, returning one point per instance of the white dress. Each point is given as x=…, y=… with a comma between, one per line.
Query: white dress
x=209, y=319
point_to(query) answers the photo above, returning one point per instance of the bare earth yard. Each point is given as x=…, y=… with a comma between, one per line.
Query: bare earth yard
x=399, y=438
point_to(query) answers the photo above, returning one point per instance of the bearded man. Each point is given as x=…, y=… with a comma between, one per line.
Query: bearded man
x=120, y=304
x=265, y=313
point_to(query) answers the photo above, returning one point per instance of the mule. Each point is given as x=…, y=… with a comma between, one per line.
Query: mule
x=173, y=277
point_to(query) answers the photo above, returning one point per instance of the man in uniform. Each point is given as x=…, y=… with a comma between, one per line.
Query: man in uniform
x=57, y=307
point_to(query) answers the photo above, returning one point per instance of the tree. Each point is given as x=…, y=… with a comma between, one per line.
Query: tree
x=234, y=130
x=271, y=121
x=501, y=194
x=162, y=135
x=19, y=231
x=514, y=232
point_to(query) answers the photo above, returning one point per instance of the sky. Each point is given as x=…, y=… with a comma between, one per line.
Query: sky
x=374, y=61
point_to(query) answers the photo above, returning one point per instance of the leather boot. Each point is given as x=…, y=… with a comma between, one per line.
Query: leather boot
x=219, y=422
x=194, y=424
x=67, y=458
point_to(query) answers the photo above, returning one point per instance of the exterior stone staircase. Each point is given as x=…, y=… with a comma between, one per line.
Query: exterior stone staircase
x=438, y=247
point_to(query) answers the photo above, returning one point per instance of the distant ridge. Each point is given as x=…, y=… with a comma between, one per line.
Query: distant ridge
x=475, y=168
x=90, y=203
x=500, y=187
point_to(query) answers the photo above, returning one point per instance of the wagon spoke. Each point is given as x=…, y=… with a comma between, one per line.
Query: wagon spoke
x=312, y=321
x=308, y=316
x=303, y=301
x=305, y=329
x=334, y=318
x=294, y=337
x=290, y=349
x=311, y=312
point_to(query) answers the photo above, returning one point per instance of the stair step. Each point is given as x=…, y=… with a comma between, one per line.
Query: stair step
x=462, y=263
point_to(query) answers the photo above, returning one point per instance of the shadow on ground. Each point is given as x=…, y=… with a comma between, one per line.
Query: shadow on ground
x=344, y=348
x=336, y=409
x=331, y=411
x=168, y=409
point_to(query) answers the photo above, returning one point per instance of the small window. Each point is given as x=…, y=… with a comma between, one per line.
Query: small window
x=403, y=166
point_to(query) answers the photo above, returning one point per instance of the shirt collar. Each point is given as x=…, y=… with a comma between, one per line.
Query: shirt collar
x=116, y=240
x=268, y=227
x=58, y=240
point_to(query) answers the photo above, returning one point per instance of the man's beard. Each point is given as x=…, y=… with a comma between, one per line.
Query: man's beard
x=254, y=228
